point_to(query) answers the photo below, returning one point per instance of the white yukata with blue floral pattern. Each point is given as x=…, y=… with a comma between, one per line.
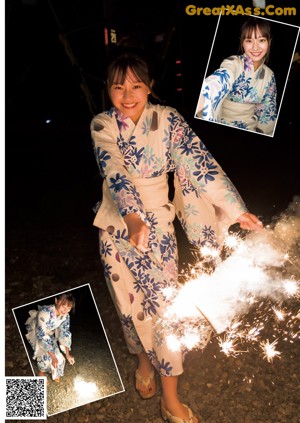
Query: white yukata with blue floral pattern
x=237, y=95
x=47, y=332
x=134, y=161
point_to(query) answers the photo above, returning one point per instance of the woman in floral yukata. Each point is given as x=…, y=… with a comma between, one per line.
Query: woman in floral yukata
x=136, y=145
x=242, y=92
x=48, y=332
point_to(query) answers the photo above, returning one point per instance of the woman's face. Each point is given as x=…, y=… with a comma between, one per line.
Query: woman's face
x=256, y=47
x=131, y=97
x=63, y=307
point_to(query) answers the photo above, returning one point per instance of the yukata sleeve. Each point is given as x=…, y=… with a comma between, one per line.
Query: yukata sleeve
x=214, y=90
x=266, y=111
x=63, y=333
x=113, y=169
x=43, y=336
x=199, y=173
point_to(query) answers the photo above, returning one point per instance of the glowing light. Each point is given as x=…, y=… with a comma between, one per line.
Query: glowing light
x=173, y=343
x=190, y=340
x=269, y=350
x=280, y=314
x=169, y=292
x=228, y=346
x=209, y=252
x=85, y=389
x=232, y=241
x=218, y=294
x=291, y=288
x=253, y=333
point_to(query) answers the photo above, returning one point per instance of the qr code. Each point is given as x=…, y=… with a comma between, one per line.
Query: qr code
x=25, y=398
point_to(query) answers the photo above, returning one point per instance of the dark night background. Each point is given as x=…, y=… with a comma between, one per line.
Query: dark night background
x=54, y=64
x=55, y=54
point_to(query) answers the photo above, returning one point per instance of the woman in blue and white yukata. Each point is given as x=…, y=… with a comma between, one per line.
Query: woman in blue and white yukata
x=136, y=145
x=242, y=92
x=48, y=332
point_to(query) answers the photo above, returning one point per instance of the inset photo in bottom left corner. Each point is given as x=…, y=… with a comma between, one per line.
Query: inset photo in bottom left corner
x=65, y=341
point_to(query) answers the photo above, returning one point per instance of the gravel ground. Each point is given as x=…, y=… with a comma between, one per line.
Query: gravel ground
x=220, y=389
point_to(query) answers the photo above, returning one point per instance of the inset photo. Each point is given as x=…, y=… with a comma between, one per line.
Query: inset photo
x=65, y=341
x=247, y=73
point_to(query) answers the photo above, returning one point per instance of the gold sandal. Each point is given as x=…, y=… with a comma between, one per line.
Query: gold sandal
x=146, y=383
x=167, y=416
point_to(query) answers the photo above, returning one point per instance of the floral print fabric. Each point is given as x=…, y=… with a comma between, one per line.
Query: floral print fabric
x=134, y=161
x=47, y=332
x=240, y=96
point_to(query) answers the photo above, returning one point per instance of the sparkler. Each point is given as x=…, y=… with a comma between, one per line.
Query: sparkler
x=217, y=295
x=82, y=388
x=85, y=389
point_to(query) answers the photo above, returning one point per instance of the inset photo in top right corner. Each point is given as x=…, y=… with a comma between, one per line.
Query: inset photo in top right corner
x=247, y=73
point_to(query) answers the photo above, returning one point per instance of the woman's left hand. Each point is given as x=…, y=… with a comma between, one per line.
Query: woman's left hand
x=70, y=359
x=249, y=221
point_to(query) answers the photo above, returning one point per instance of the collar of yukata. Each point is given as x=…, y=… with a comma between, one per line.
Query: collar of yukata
x=249, y=65
x=124, y=121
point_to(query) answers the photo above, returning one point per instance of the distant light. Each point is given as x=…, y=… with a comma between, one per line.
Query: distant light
x=48, y=121
x=106, y=36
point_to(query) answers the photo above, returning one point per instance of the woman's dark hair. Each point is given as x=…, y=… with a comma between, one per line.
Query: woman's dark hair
x=256, y=26
x=67, y=298
x=134, y=60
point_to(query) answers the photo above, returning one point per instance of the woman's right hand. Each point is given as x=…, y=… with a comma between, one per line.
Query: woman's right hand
x=54, y=360
x=138, y=232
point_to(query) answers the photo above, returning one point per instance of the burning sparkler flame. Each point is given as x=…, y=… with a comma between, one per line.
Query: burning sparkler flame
x=219, y=297
x=85, y=389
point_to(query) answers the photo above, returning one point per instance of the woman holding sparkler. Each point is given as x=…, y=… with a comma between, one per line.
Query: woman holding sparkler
x=242, y=92
x=48, y=332
x=136, y=145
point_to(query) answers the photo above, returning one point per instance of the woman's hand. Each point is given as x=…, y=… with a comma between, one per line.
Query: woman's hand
x=70, y=359
x=138, y=232
x=54, y=360
x=249, y=221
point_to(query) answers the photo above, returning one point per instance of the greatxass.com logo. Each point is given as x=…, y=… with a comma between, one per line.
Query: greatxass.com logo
x=270, y=10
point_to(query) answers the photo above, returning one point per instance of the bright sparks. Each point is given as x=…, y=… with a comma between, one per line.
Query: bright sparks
x=209, y=252
x=269, y=350
x=85, y=389
x=291, y=288
x=280, y=314
x=228, y=346
x=232, y=241
x=241, y=293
